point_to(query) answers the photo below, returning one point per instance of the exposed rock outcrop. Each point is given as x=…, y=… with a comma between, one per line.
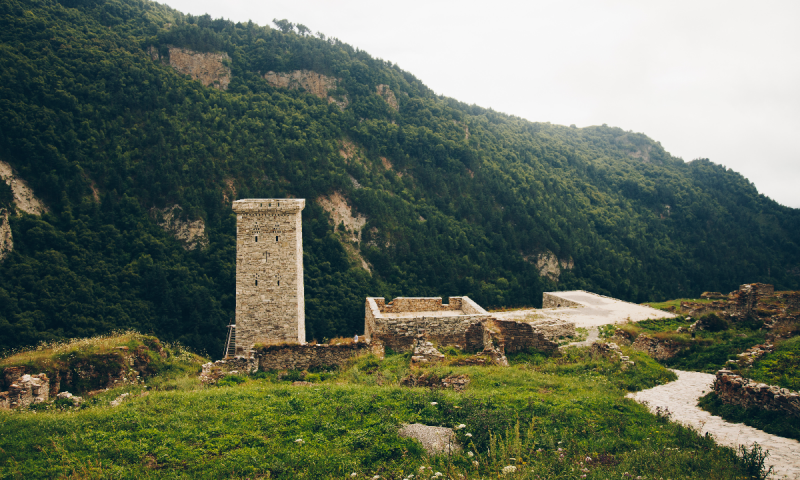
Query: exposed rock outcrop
x=24, y=199
x=6, y=241
x=342, y=213
x=387, y=94
x=206, y=67
x=549, y=265
x=191, y=233
x=312, y=82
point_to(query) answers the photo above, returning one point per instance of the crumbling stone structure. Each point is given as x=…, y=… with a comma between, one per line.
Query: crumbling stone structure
x=26, y=391
x=746, y=393
x=402, y=323
x=303, y=357
x=397, y=324
x=270, y=307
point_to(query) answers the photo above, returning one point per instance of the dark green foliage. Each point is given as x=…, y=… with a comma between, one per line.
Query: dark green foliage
x=231, y=380
x=776, y=423
x=713, y=323
x=83, y=106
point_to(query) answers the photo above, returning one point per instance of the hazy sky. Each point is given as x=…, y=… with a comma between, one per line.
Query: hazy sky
x=708, y=79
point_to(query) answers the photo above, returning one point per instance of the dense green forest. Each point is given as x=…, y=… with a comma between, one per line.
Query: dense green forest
x=103, y=134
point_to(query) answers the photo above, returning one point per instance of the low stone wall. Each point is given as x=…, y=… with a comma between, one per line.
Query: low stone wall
x=517, y=336
x=550, y=300
x=737, y=390
x=399, y=333
x=303, y=357
x=553, y=329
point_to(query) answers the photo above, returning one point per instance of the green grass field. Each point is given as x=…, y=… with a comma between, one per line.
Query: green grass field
x=549, y=417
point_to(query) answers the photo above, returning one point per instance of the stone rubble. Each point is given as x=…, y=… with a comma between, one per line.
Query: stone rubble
x=434, y=440
x=27, y=390
x=76, y=400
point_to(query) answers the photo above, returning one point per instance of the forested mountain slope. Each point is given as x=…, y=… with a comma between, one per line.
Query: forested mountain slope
x=96, y=116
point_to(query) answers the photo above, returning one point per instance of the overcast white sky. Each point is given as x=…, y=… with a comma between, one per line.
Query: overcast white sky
x=708, y=79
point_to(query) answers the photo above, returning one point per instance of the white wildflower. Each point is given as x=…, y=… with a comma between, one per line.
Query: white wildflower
x=299, y=440
x=353, y=474
x=509, y=469
x=470, y=454
x=475, y=462
x=468, y=434
x=437, y=474
x=422, y=468
x=461, y=426
x=434, y=403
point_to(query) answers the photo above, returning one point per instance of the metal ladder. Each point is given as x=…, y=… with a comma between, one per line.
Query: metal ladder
x=230, y=344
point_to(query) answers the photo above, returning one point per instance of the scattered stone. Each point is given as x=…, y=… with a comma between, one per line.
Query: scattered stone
x=76, y=401
x=117, y=401
x=434, y=440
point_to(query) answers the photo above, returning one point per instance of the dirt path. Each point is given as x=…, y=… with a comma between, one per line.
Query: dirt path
x=680, y=397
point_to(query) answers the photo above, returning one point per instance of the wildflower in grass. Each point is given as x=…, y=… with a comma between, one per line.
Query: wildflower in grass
x=588, y=459
x=437, y=474
x=434, y=403
x=422, y=468
x=468, y=434
x=470, y=454
x=299, y=441
x=376, y=477
x=560, y=449
x=509, y=469
x=460, y=426
x=353, y=474
x=475, y=462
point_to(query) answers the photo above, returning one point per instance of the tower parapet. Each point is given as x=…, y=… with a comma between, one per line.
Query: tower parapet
x=270, y=307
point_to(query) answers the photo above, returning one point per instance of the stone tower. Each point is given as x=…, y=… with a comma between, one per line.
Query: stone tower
x=269, y=272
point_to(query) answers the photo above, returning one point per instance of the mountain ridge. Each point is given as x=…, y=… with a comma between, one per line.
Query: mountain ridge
x=88, y=113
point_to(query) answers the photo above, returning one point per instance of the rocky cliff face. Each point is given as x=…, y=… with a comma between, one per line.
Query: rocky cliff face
x=312, y=82
x=387, y=94
x=549, y=265
x=6, y=242
x=24, y=199
x=191, y=234
x=207, y=68
x=342, y=214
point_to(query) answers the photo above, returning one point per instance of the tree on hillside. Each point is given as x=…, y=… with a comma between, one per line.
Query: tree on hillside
x=284, y=25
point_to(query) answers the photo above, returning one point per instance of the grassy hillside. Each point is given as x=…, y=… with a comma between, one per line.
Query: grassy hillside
x=563, y=417
x=458, y=200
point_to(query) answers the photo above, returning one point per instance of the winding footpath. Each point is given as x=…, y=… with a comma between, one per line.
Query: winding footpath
x=681, y=396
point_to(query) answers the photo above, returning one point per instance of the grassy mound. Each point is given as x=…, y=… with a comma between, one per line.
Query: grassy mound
x=781, y=367
x=83, y=365
x=551, y=417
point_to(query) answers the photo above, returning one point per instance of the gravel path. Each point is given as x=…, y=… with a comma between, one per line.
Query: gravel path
x=680, y=397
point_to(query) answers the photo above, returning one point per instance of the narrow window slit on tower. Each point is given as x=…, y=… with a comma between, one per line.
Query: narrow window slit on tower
x=256, y=238
x=276, y=239
x=279, y=283
x=256, y=282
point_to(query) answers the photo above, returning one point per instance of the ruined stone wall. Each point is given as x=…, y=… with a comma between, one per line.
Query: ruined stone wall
x=270, y=306
x=550, y=300
x=746, y=393
x=399, y=333
x=554, y=328
x=303, y=357
x=517, y=336
x=26, y=391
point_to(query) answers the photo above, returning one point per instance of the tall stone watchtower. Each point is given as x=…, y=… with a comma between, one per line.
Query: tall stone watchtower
x=269, y=272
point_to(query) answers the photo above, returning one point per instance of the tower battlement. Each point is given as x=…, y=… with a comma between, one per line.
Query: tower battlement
x=270, y=307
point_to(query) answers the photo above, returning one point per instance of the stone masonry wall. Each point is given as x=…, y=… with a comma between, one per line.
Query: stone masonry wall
x=25, y=391
x=517, y=336
x=270, y=305
x=552, y=301
x=736, y=390
x=399, y=333
x=303, y=357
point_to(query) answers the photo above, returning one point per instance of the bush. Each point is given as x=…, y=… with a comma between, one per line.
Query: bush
x=231, y=380
x=713, y=323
